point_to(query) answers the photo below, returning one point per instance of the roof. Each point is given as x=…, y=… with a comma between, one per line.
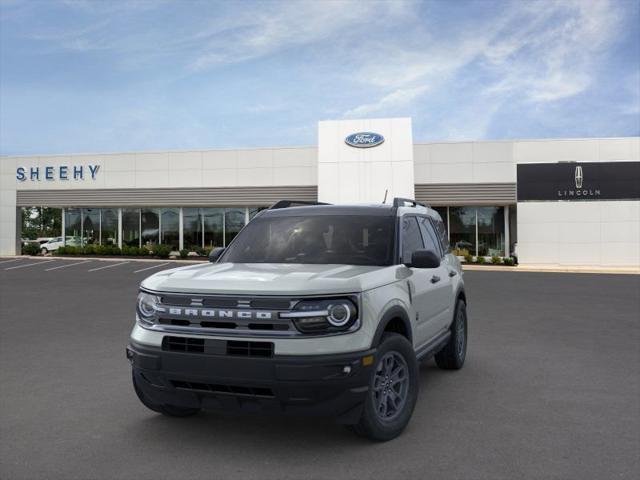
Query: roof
x=382, y=210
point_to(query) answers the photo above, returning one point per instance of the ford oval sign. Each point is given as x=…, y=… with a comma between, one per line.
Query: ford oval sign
x=364, y=139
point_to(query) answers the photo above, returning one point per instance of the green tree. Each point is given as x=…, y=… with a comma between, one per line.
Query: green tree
x=41, y=222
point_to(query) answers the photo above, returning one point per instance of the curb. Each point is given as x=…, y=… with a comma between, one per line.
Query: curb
x=553, y=269
x=105, y=259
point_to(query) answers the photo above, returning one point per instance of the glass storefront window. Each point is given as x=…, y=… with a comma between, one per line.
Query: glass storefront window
x=90, y=226
x=253, y=211
x=213, y=227
x=443, y=214
x=73, y=227
x=234, y=220
x=131, y=227
x=192, y=228
x=109, y=226
x=150, y=221
x=170, y=227
x=490, y=231
x=462, y=234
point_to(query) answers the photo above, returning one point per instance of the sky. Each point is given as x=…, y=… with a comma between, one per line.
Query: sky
x=85, y=76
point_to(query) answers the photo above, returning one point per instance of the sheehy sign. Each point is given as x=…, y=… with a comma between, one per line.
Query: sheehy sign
x=60, y=172
x=576, y=181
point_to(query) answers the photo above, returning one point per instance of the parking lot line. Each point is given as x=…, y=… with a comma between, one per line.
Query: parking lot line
x=65, y=266
x=108, y=266
x=149, y=268
x=30, y=264
x=9, y=261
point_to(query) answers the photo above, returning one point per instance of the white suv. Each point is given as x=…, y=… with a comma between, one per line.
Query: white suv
x=55, y=243
x=311, y=310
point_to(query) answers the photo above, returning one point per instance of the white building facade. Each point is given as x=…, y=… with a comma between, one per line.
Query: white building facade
x=566, y=202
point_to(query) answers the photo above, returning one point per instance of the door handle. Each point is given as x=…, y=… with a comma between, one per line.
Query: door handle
x=452, y=273
x=435, y=279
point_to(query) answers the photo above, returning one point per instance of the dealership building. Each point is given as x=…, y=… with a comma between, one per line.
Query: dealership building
x=560, y=202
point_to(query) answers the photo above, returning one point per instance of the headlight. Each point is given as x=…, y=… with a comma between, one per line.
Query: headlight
x=147, y=307
x=323, y=316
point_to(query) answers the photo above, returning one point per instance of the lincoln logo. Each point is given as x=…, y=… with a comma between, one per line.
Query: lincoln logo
x=579, y=191
x=579, y=177
x=364, y=140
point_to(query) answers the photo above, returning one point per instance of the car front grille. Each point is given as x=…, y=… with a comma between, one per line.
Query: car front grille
x=217, y=347
x=225, y=389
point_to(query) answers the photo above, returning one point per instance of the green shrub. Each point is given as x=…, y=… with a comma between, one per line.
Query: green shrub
x=481, y=260
x=183, y=253
x=89, y=250
x=496, y=260
x=468, y=258
x=162, y=251
x=508, y=261
x=31, y=249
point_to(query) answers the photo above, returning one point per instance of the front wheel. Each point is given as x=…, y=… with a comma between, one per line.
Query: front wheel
x=44, y=251
x=393, y=390
x=452, y=356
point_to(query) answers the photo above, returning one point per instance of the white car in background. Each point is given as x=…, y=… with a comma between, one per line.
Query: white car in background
x=56, y=242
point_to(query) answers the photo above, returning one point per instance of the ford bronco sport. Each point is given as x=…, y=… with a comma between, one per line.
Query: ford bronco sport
x=312, y=309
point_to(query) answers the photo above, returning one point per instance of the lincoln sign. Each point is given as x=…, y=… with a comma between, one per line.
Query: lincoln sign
x=578, y=181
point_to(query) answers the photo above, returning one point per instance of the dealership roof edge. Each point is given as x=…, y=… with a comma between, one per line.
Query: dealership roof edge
x=293, y=147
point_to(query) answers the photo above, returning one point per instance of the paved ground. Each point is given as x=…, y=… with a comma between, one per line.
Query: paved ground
x=551, y=389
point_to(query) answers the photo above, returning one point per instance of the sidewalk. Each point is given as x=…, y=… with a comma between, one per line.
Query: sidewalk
x=554, y=269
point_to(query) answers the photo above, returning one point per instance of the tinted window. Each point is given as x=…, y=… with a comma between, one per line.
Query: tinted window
x=411, y=238
x=349, y=240
x=431, y=242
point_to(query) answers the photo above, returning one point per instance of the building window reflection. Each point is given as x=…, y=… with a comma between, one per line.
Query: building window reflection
x=213, y=219
x=234, y=220
x=150, y=222
x=462, y=234
x=191, y=228
x=490, y=231
x=131, y=227
x=73, y=226
x=170, y=227
x=109, y=226
x=90, y=226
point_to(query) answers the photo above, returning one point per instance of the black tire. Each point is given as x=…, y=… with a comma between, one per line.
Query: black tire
x=452, y=356
x=169, y=410
x=373, y=424
x=44, y=251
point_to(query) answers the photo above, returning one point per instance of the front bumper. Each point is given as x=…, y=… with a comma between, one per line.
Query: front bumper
x=314, y=385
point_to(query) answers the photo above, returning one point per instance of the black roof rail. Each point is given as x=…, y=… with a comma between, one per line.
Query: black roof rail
x=294, y=203
x=400, y=202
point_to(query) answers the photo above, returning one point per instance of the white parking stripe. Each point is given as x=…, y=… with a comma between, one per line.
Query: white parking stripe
x=108, y=266
x=65, y=266
x=149, y=268
x=30, y=264
x=9, y=261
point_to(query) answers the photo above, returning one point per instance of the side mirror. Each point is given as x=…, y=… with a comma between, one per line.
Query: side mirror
x=214, y=255
x=424, y=259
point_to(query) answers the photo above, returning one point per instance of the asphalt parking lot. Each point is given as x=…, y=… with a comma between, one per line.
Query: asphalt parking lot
x=551, y=389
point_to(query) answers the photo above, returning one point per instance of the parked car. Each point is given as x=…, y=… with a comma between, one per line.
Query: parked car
x=320, y=310
x=55, y=243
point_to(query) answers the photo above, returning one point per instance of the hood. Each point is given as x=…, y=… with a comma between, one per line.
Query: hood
x=271, y=278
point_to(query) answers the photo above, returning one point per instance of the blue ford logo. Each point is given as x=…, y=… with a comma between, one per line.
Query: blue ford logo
x=364, y=139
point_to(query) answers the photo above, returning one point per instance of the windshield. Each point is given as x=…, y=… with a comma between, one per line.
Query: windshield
x=349, y=240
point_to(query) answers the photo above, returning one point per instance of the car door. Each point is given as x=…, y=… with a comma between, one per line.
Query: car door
x=442, y=294
x=422, y=283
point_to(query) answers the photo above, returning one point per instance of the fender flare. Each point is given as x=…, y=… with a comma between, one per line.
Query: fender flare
x=395, y=311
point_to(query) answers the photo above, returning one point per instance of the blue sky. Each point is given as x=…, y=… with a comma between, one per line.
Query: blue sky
x=104, y=76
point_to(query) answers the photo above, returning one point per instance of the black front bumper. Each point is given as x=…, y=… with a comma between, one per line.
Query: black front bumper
x=315, y=385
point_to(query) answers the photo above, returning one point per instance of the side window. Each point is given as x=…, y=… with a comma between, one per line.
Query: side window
x=431, y=241
x=411, y=238
x=442, y=233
